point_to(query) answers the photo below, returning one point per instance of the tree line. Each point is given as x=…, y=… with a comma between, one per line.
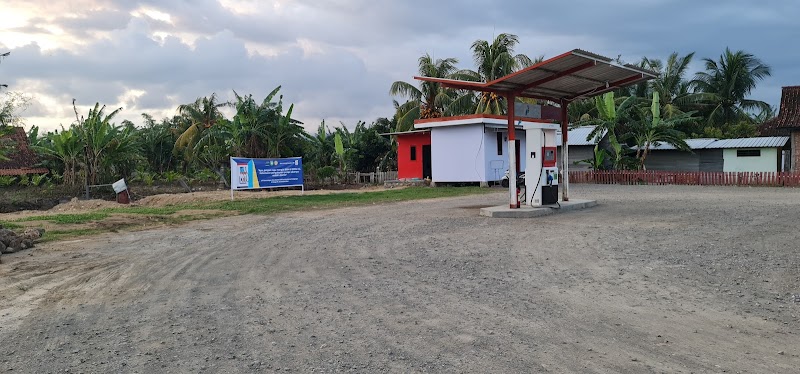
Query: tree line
x=196, y=143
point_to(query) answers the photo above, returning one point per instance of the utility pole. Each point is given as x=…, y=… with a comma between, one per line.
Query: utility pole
x=1, y=59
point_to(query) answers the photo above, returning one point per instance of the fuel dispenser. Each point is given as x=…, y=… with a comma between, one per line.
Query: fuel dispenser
x=541, y=172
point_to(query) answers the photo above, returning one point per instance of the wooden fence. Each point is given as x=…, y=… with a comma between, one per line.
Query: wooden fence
x=372, y=178
x=701, y=178
x=353, y=178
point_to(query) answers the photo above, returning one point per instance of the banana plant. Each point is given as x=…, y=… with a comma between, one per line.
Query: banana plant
x=599, y=157
x=339, y=148
x=610, y=118
x=653, y=130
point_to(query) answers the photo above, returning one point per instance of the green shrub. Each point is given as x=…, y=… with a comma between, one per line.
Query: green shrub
x=7, y=180
x=171, y=176
x=145, y=177
x=55, y=177
x=24, y=181
x=38, y=179
x=205, y=175
x=326, y=172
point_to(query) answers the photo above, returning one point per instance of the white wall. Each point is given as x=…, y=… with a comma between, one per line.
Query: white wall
x=464, y=153
x=495, y=166
x=493, y=159
x=521, y=137
x=457, y=153
x=767, y=162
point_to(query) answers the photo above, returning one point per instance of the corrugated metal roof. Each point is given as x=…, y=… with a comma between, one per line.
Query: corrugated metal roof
x=759, y=142
x=577, y=136
x=405, y=132
x=569, y=76
x=711, y=143
x=699, y=143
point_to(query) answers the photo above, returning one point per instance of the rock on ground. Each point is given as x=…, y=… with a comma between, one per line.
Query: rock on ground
x=11, y=242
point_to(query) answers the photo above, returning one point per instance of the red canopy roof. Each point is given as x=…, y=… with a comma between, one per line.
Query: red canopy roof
x=569, y=76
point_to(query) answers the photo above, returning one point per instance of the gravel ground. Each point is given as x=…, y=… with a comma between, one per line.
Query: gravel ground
x=655, y=279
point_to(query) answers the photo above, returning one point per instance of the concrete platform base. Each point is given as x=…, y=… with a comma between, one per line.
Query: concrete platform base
x=525, y=211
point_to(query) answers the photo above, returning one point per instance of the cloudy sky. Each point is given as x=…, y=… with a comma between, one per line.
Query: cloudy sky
x=335, y=59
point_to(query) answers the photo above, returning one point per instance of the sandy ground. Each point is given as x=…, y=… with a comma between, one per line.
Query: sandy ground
x=669, y=279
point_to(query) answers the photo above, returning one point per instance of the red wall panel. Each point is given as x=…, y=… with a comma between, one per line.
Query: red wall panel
x=406, y=168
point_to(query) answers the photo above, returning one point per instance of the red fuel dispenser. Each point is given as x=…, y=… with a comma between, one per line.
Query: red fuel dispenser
x=549, y=157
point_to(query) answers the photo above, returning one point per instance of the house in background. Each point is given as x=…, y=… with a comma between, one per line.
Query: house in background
x=666, y=157
x=787, y=123
x=413, y=154
x=580, y=148
x=21, y=160
x=761, y=154
x=471, y=148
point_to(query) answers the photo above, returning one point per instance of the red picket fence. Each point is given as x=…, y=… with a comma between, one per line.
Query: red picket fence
x=700, y=178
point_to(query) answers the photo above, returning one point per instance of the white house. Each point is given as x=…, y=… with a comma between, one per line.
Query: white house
x=759, y=154
x=472, y=148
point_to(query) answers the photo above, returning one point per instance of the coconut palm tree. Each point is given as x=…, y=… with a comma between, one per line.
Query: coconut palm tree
x=494, y=61
x=725, y=86
x=199, y=116
x=430, y=99
x=671, y=85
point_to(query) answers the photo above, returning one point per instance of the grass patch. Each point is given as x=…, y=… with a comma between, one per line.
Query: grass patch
x=153, y=211
x=167, y=216
x=54, y=235
x=292, y=203
x=10, y=225
x=76, y=218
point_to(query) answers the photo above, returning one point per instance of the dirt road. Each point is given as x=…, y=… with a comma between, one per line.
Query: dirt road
x=655, y=279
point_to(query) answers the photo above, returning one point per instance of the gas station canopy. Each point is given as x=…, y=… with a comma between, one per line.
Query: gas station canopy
x=567, y=77
x=562, y=79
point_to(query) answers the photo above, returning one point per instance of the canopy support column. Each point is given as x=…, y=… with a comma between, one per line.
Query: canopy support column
x=564, y=151
x=512, y=154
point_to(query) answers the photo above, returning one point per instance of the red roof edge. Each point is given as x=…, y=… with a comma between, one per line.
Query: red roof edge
x=482, y=116
x=23, y=171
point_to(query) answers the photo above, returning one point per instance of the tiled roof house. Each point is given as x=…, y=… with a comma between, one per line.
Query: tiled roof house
x=22, y=159
x=787, y=123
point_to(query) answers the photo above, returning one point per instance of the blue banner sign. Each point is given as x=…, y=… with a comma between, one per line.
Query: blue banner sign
x=252, y=173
